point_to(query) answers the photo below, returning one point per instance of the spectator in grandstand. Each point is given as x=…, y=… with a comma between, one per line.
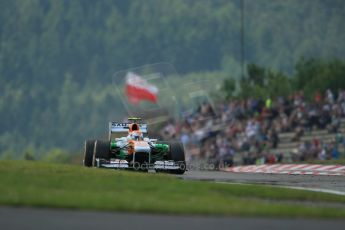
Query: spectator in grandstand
x=329, y=96
x=335, y=123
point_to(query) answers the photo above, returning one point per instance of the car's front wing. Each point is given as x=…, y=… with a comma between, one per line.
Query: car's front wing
x=123, y=164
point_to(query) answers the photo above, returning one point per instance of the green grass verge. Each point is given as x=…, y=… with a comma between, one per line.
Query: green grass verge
x=66, y=186
x=328, y=162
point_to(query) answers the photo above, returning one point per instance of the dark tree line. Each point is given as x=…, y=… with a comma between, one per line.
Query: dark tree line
x=57, y=57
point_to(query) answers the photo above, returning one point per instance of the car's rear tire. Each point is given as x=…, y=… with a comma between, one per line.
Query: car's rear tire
x=101, y=150
x=88, y=152
x=177, y=154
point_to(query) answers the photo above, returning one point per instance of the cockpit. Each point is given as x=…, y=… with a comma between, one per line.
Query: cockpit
x=134, y=133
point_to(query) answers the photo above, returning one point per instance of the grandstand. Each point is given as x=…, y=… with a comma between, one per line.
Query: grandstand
x=288, y=147
x=254, y=132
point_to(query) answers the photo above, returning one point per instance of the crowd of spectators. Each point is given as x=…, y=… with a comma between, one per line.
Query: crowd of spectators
x=251, y=127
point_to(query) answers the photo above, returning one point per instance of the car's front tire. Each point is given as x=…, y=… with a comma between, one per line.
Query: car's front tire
x=101, y=150
x=88, y=152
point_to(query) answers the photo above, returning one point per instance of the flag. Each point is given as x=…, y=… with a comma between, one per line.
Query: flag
x=138, y=89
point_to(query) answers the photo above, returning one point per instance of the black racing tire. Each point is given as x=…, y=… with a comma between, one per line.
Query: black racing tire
x=101, y=150
x=88, y=152
x=177, y=154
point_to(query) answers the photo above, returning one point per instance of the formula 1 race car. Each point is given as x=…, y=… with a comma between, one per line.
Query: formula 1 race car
x=134, y=151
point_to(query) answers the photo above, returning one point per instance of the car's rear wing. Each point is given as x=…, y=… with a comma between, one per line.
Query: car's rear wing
x=121, y=129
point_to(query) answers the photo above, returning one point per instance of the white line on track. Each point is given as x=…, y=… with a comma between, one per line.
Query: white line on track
x=315, y=190
x=330, y=191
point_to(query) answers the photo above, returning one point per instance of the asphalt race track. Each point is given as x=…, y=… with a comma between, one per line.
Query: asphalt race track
x=25, y=218
x=328, y=183
x=34, y=218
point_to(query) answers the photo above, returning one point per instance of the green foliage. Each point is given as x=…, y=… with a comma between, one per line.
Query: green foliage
x=318, y=74
x=278, y=84
x=229, y=87
x=29, y=154
x=57, y=58
x=310, y=76
x=256, y=75
x=8, y=155
x=56, y=156
x=264, y=83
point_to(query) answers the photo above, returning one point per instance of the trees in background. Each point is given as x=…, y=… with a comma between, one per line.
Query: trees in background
x=57, y=58
x=310, y=76
x=319, y=75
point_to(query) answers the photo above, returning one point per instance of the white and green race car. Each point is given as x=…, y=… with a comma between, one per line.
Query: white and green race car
x=128, y=148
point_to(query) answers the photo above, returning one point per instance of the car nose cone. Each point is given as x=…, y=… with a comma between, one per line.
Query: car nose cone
x=142, y=146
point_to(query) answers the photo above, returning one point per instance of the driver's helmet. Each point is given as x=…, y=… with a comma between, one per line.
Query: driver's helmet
x=136, y=136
